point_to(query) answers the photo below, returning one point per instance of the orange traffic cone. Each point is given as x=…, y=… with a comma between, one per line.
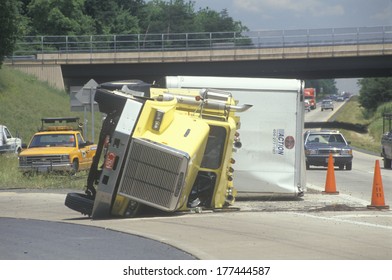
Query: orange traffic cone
x=330, y=183
x=378, y=200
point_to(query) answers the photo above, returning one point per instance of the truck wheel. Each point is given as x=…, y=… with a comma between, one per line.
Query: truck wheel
x=307, y=166
x=79, y=202
x=387, y=163
x=349, y=166
x=75, y=167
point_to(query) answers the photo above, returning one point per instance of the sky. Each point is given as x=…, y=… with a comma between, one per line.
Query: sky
x=306, y=14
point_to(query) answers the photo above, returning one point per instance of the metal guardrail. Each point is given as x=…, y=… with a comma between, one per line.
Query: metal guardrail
x=28, y=47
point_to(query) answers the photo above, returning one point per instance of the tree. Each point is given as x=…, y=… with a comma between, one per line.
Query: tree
x=374, y=92
x=211, y=21
x=112, y=18
x=167, y=17
x=8, y=27
x=60, y=17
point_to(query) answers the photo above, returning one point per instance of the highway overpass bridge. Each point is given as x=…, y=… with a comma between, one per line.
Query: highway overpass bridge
x=66, y=61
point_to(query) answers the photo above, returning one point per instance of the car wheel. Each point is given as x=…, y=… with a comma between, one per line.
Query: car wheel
x=307, y=166
x=341, y=167
x=349, y=166
x=79, y=202
x=387, y=163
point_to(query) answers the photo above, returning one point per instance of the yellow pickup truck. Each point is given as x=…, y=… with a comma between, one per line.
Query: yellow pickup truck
x=57, y=147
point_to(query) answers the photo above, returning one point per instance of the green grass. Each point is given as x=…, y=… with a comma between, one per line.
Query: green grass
x=11, y=178
x=352, y=112
x=24, y=101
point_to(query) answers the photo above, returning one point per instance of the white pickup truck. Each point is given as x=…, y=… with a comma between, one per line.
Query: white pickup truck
x=9, y=144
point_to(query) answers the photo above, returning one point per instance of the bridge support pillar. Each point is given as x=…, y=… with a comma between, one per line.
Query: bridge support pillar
x=51, y=74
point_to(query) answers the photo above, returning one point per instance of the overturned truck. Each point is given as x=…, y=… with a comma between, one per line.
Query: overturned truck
x=169, y=150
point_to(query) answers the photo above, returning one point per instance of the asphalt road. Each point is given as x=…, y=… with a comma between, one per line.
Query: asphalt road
x=30, y=239
x=316, y=227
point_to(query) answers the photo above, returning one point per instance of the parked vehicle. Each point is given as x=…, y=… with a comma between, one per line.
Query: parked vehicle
x=271, y=159
x=327, y=104
x=58, y=146
x=310, y=95
x=319, y=144
x=171, y=150
x=386, y=140
x=8, y=143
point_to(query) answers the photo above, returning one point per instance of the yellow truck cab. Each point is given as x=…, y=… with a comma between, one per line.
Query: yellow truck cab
x=171, y=150
x=58, y=146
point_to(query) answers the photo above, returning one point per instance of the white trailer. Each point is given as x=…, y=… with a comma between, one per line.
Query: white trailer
x=271, y=160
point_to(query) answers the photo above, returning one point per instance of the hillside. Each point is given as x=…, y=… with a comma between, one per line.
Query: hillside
x=25, y=100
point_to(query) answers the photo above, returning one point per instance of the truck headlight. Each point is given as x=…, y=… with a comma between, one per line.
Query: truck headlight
x=346, y=152
x=22, y=159
x=64, y=157
x=310, y=152
x=156, y=124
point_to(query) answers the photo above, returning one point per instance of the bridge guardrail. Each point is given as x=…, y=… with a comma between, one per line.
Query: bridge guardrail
x=30, y=46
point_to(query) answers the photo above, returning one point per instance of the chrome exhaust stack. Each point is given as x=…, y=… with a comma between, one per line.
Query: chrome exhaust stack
x=208, y=99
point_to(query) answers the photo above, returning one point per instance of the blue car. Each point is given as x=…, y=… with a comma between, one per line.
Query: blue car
x=319, y=144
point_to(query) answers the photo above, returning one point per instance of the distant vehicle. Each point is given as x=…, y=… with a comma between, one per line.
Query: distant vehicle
x=340, y=98
x=307, y=105
x=8, y=143
x=310, y=95
x=386, y=140
x=57, y=147
x=319, y=144
x=327, y=104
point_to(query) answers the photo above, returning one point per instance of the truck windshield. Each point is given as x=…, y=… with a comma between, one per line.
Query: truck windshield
x=53, y=140
x=214, y=150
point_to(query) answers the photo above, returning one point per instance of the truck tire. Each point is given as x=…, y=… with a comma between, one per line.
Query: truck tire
x=349, y=166
x=75, y=167
x=79, y=202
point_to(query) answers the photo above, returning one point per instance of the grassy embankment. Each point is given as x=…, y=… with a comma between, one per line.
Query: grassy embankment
x=353, y=113
x=24, y=101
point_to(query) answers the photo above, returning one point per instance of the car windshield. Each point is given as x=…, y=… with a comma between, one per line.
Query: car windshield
x=325, y=138
x=53, y=140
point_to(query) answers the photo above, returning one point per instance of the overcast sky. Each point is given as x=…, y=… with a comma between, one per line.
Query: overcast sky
x=304, y=14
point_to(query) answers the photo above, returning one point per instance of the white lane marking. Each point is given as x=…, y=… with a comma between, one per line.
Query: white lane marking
x=344, y=221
